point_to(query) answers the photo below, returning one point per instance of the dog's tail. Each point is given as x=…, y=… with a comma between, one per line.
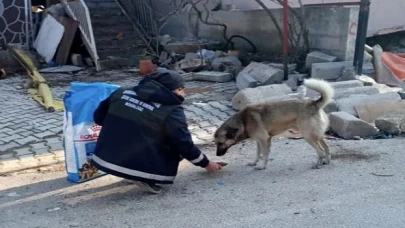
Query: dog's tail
x=324, y=88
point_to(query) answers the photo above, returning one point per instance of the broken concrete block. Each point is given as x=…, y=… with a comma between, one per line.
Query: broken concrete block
x=190, y=64
x=262, y=73
x=368, y=69
x=364, y=90
x=191, y=55
x=318, y=57
x=213, y=76
x=331, y=107
x=291, y=67
x=336, y=85
x=295, y=80
x=245, y=80
x=347, y=126
x=366, y=80
x=386, y=89
x=329, y=71
x=260, y=94
x=392, y=122
x=348, y=104
x=348, y=73
x=228, y=64
x=77, y=60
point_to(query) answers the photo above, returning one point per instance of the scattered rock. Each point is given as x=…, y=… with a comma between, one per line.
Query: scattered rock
x=295, y=80
x=330, y=107
x=366, y=80
x=191, y=56
x=318, y=57
x=348, y=104
x=382, y=88
x=230, y=64
x=291, y=67
x=336, y=85
x=348, y=126
x=213, y=76
x=245, y=80
x=330, y=70
x=348, y=73
x=261, y=94
x=365, y=90
x=190, y=64
x=262, y=73
x=392, y=122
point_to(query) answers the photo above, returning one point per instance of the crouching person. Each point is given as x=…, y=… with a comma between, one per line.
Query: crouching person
x=144, y=132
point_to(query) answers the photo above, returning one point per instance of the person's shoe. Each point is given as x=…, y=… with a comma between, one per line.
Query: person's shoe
x=152, y=188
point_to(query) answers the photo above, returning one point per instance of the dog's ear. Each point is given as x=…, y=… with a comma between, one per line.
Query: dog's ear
x=234, y=133
x=231, y=133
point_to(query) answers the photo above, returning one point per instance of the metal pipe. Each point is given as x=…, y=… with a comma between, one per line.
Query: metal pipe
x=362, y=25
x=27, y=32
x=285, y=38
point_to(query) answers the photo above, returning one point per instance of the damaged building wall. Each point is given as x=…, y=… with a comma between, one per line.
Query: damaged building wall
x=378, y=21
x=12, y=22
x=337, y=39
x=335, y=34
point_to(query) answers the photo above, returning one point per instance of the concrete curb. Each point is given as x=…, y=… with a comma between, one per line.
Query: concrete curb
x=30, y=162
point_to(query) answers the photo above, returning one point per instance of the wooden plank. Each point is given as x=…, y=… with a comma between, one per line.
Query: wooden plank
x=63, y=51
x=370, y=112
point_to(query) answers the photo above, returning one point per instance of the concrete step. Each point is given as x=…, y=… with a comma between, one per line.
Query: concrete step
x=108, y=21
x=99, y=12
x=101, y=4
x=105, y=44
x=112, y=31
x=118, y=52
x=119, y=62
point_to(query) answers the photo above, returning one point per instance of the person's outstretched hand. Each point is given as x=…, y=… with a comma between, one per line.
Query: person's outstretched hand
x=213, y=167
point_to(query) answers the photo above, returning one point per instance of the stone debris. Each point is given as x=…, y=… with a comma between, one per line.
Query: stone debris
x=347, y=126
x=330, y=71
x=392, y=122
x=263, y=75
x=348, y=104
x=260, y=94
x=318, y=57
x=213, y=76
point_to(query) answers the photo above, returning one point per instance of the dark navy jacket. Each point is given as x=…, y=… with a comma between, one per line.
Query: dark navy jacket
x=144, y=134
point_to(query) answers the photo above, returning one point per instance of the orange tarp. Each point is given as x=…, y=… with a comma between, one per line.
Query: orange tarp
x=395, y=63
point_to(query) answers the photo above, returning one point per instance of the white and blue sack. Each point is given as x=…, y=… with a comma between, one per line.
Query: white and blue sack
x=80, y=133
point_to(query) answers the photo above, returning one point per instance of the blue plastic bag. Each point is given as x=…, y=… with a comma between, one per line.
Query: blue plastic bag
x=80, y=133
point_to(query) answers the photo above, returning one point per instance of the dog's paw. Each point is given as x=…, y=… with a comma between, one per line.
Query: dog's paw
x=316, y=166
x=254, y=163
x=260, y=167
x=325, y=161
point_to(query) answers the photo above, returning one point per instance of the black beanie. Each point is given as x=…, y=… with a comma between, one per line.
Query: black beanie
x=169, y=79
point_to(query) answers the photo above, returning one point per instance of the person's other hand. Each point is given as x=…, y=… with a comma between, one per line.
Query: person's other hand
x=213, y=167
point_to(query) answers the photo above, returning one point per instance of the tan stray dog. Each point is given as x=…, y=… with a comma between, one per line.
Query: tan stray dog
x=261, y=122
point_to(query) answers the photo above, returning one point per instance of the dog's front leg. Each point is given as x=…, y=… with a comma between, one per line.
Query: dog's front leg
x=258, y=155
x=265, y=151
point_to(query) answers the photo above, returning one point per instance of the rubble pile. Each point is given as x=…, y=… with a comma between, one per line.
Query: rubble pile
x=362, y=107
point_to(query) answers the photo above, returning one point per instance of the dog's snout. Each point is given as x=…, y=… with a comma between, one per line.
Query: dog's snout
x=221, y=151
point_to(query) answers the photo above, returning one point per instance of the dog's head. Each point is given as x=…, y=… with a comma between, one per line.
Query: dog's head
x=228, y=134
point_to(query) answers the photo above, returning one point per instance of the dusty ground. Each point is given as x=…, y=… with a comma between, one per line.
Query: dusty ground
x=363, y=187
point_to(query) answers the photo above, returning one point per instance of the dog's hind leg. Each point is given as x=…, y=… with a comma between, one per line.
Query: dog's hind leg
x=319, y=150
x=327, y=152
x=258, y=155
x=265, y=151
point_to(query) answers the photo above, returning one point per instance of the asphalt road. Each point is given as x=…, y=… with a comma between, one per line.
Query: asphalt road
x=363, y=187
